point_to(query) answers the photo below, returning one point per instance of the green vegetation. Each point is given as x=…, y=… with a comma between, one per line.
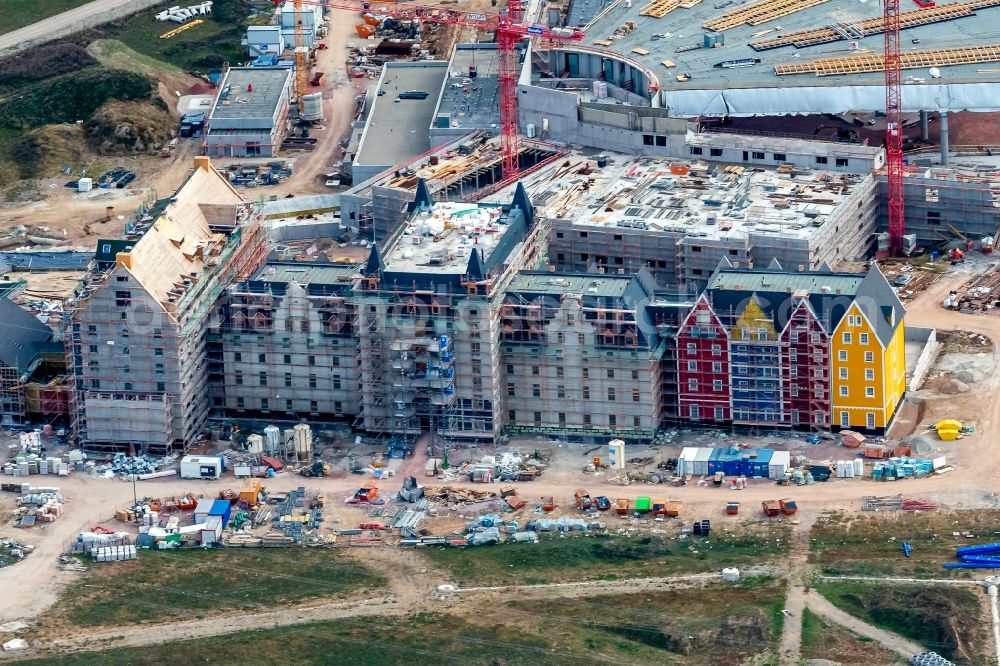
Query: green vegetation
x=165, y=586
x=821, y=640
x=945, y=619
x=870, y=544
x=713, y=625
x=18, y=13
x=605, y=557
x=199, y=48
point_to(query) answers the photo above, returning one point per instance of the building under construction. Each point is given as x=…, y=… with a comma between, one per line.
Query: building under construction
x=138, y=348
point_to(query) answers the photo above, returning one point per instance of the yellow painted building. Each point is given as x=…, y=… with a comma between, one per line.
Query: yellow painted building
x=867, y=357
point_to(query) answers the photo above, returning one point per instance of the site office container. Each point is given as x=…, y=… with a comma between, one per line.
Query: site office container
x=779, y=464
x=201, y=467
x=759, y=465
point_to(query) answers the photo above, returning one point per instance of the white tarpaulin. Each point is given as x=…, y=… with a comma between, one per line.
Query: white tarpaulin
x=829, y=99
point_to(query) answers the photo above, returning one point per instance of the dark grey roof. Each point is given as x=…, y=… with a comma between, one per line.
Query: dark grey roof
x=878, y=300
x=21, y=336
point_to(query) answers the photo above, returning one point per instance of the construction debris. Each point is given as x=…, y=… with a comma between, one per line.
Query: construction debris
x=449, y=495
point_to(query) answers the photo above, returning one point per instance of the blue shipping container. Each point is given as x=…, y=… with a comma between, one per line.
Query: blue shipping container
x=715, y=461
x=221, y=508
x=759, y=465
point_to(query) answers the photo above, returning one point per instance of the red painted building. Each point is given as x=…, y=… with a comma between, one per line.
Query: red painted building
x=703, y=366
x=805, y=366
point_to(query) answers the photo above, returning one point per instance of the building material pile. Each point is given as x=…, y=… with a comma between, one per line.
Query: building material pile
x=449, y=495
x=905, y=467
x=980, y=556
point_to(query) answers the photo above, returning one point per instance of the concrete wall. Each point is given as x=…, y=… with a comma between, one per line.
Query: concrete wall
x=928, y=337
x=819, y=155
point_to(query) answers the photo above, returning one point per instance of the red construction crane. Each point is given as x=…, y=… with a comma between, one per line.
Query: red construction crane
x=509, y=30
x=894, y=127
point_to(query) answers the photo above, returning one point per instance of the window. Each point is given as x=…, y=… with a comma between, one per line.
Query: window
x=538, y=418
x=262, y=358
x=779, y=157
x=696, y=150
x=335, y=361
x=717, y=385
x=635, y=375
x=535, y=371
x=816, y=338
x=336, y=383
x=586, y=393
x=560, y=391
x=841, y=161
x=237, y=357
x=288, y=359
x=692, y=348
x=611, y=394
x=123, y=298
x=264, y=405
x=843, y=373
x=933, y=217
x=845, y=420
x=263, y=378
x=312, y=381
x=560, y=372
x=476, y=348
x=693, y=412
x=636, y=422
x=91, y=329
x=239, y=404
x=863, y=338
x=692, y=385
x=93, y=349
x=510, y=369
x=818, y=372
x=715, y=152
x=562, y=419
x=510, y=390
x=511, y=415
x=536, y=391
x=158, y=351
x=720, y=413
x=843, y=391
x=288, y=405
x=586, y=373
x=288, y=379
x=716, y=366
x=635, y=395
x=312, y=360
x=611, y=373
x=847, y=338
x=161, y=387
x=869, y=375
x=586, y=421
x=647, y=139
x=661, y=140
x=821, y=159
x=794, y=391
x=238, y=378
x=128, y=386
x=692, y=366
x=819, y=418
x=869, y=357
x=842, y=355
x=870, y=420
x=869, y=391
x=746, y=155
x=757, y=155
x=716, y=350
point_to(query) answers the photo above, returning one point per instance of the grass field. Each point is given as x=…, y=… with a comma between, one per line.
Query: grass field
x=822, y=640
x=945, y=619
x=606, y=557
x=869, y=544
x=168, y=585
x=18, y=13
x=714, y=625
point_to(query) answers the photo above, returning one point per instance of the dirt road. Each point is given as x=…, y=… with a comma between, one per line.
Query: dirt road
x=795, y=599
x=86, y=16
x=819, y=605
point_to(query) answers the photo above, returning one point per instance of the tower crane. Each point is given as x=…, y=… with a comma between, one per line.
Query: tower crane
x=509, y=29
x=894, y=127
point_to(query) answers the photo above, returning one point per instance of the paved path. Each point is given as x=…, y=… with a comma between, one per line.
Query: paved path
x=74, y=20
x=819, y=605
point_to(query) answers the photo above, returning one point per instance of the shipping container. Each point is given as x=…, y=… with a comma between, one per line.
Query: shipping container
x=201, y=467
x=760, y=463
x=715, y=461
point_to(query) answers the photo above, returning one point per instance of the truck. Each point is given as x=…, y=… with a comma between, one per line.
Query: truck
x=583, y=501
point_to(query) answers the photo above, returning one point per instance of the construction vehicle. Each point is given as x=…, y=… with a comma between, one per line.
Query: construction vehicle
x=367, y=492
x=583, y=501
x=317, y=468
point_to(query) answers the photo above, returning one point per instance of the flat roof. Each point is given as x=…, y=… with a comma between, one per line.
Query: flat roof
x=674, y=38
x=743, y=280
x=610, y=286
x=236, y=99
x=472, y=102
x=305, y=273
x=694, y=198
x=397, y=129
x=440, y=240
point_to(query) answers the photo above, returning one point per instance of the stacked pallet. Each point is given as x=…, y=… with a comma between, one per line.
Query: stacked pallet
x=659, y=8
x=870, y=63
x=758, y=13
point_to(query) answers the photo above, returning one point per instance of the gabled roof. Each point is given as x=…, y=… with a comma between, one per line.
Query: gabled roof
x=878, y=301
x=22, y=336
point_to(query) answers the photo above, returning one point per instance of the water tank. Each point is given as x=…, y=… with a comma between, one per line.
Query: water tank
x=272, y=440
x=303, y=442
x=616, y=455
x=255, y=444
x=312, y=106
x=731, y=574
x=85, y=185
